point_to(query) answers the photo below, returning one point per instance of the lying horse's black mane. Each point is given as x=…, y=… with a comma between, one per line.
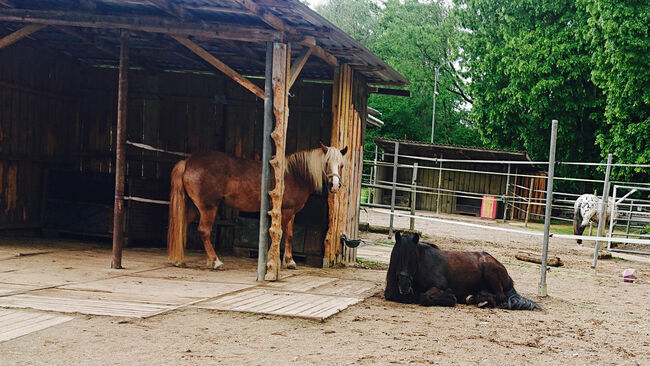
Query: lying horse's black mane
x=430, y=244
x=420, y=272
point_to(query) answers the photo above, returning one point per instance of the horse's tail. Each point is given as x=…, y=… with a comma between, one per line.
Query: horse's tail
x=514, y=301
x=578, y=229
x=176, y=234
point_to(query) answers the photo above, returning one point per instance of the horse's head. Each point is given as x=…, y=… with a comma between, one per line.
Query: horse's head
x=333, y=166
x=406, y=261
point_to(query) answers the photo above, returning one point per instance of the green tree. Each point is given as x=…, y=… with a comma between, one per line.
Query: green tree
x=621, y=67
x=414, y=37
x=529, y=62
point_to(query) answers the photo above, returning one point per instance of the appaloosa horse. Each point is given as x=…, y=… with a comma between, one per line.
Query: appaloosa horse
x=586, y=209
x=215, y=177
x=421, y=273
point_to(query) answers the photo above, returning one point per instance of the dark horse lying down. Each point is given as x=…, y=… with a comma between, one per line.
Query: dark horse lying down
x=421, y=273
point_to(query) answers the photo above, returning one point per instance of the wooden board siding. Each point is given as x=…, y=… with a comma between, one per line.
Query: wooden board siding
x=348, y=129
x=37, y=110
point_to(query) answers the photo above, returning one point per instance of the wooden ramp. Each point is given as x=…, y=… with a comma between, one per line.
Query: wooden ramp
x=84, y=306
x=16, y=323
x=277, y=302
x=302, y=296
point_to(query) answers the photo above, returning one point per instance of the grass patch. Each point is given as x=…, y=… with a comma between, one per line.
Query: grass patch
x=371, y=264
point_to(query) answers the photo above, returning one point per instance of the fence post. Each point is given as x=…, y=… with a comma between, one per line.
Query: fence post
x=392, y=196
x=413, y=194
x=611, y=219
x=629, y=217
x=603, y=205
x=439, y=184
x=530, y=197
x=505, y=197
x=541, y=290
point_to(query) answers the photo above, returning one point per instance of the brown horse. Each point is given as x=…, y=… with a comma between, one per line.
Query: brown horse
x=215, y=177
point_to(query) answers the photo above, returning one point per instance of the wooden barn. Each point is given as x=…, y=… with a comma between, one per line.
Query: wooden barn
x=461, y=187
x=100, y=98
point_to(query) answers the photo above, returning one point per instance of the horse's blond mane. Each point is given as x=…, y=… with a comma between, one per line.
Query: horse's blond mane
x=309, y=165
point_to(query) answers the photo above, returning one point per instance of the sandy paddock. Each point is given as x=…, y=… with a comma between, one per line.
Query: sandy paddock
x=587, y=319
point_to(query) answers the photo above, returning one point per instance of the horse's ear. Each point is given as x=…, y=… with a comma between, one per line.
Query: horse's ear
x=345, y=149
x=398, y=236
x=416, y=237
x=323, y=147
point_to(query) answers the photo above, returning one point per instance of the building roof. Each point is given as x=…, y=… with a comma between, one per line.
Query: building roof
x=235, y=31
x=426, y=149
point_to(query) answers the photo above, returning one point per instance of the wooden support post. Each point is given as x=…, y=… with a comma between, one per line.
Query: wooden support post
x=120, y=152
x=414, y=194
x=205, y=55
x=530, y=197
x=20, y=34
x=281, y=65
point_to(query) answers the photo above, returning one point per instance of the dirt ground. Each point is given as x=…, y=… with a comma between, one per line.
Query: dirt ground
x=587, y=319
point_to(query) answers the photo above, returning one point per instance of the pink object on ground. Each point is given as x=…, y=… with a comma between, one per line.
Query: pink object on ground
x=628, y=275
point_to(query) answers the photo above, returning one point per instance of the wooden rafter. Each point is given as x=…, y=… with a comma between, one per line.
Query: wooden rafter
x=20, y=34
x=84, y=39
x=297, y=66
x=266, y=16
x=205, y=55
x=230, y=31
x=319, y=51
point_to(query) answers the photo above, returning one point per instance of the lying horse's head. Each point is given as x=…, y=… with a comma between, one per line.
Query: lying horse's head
x=406, y=262
x=333, y=166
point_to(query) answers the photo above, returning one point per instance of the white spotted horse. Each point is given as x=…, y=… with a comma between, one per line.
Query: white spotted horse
x=587, y=209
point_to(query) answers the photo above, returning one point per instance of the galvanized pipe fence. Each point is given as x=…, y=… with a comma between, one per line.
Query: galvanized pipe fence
x=632, y=214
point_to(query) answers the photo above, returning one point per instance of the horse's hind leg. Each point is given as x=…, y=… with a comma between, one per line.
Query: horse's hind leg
x=205, y=228
x=437, y=297
x=287, y=260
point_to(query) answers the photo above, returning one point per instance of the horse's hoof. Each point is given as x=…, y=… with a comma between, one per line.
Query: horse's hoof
x=270, y=276
x=218, y=265
x=290, y=265
x=469, y=299
x=482, y=304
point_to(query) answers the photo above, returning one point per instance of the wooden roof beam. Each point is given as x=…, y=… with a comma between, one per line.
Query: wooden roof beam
x=205, y=55
x=297, y=66
x=20, y=34
x=319, y=51
x=174, y=10
x=234, y=32
x=266, y=16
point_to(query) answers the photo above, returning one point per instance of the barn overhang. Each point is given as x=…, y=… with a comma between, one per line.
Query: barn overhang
x=243, y=39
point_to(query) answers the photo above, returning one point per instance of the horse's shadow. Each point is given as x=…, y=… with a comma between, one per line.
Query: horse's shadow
x=422, y=273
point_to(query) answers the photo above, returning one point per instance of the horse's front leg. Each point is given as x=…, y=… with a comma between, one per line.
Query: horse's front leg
x=287, y=260
x=437, y=297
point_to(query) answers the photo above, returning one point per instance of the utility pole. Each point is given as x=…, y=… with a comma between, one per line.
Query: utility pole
x=435, y=93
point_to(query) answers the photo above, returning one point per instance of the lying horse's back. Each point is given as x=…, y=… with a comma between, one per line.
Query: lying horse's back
x=467, y=273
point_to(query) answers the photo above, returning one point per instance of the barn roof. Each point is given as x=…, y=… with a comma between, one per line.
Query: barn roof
x=426, y=149
x=235, y=31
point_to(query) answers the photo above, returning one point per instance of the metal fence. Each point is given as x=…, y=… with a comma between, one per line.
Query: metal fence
x=627, y=225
